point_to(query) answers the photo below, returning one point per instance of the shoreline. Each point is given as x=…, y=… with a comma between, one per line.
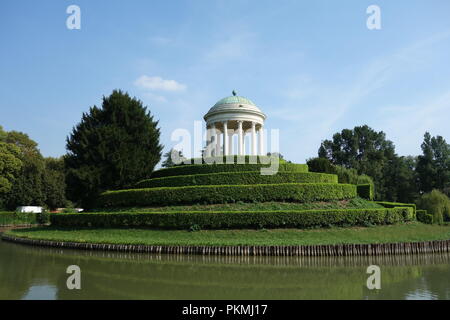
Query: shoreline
x=379, y=249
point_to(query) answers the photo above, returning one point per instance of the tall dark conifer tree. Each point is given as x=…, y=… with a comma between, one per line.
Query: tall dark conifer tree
x=111, y=148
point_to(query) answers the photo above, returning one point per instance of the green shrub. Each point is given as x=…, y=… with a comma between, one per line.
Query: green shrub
x=321, y=165
x=436, y=204
x=237, y=178
x=424, y=217
x=235, y=220
x=215, y=168
x=301, y=192
x=43, y=217
x=14, y=218
x=365, y=191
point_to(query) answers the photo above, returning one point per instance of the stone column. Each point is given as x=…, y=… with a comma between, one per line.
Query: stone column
x=230, y=143
x=208, y=142
x=254, y=139
x=214, y=138
x=225, y=138
x=240, y=139
x=217, y=141
x=261, y=140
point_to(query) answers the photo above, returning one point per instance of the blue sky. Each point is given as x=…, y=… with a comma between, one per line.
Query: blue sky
x=313, y=67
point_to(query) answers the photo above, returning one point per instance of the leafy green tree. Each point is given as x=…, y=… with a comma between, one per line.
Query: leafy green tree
x=2, y=134
x=437, y=204
x=10, y=167
x=27, y=146
x=54, y=183
x=363, y=149
x=170, y=156
x=27, y=188
x=112, y=147
x=400, y=179
x=433, y=166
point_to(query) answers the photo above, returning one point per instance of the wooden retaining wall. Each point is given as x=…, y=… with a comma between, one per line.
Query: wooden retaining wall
x=440, y=246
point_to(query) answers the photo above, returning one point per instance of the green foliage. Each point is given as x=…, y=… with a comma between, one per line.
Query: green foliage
x=27, y=188
x=400, y=179
x=436, y=204
x=424, y=217
x=10, y=166
x=433, y=166
x=227, y=193
x=112, y=147
x=345, y=175
x=37, y=181
x=363, y=149
x=43, y=217
x=365, y=191
x=235, y=220
x=321, y=165
x=55, y=183
x=216, y=168
x=16, y=218
x=237, y=178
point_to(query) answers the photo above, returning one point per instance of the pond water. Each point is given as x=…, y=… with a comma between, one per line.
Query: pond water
x=28, y=272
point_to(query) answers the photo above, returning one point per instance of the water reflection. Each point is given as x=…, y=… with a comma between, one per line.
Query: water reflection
x=40, y=273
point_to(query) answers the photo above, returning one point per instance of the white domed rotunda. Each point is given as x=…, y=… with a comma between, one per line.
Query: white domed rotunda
x=234, y=115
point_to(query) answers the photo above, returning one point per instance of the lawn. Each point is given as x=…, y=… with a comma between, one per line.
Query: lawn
x=356, y=203
x=381, y=234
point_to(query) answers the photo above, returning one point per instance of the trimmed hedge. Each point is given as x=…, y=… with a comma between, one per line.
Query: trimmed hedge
x=365, y=191
x=424, y=217
x=235, y=220
x=301, y=192
x=12, y=218
x=216, y=168
x=387, y=204
x=237, y=178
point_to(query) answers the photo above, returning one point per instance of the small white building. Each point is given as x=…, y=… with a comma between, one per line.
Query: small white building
x=29, y=209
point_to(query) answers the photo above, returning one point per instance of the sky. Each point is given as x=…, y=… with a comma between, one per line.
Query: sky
x=313, y=67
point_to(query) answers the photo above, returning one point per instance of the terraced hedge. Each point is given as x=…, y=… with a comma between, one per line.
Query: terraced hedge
x=238, y=178
x=387, y=204
x=301, y=192
x=235, y=220
x=215, y=168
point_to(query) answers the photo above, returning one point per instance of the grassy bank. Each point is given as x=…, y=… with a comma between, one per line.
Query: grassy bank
x=410, y=232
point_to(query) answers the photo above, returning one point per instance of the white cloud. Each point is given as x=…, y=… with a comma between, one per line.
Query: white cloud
x=159, y=84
